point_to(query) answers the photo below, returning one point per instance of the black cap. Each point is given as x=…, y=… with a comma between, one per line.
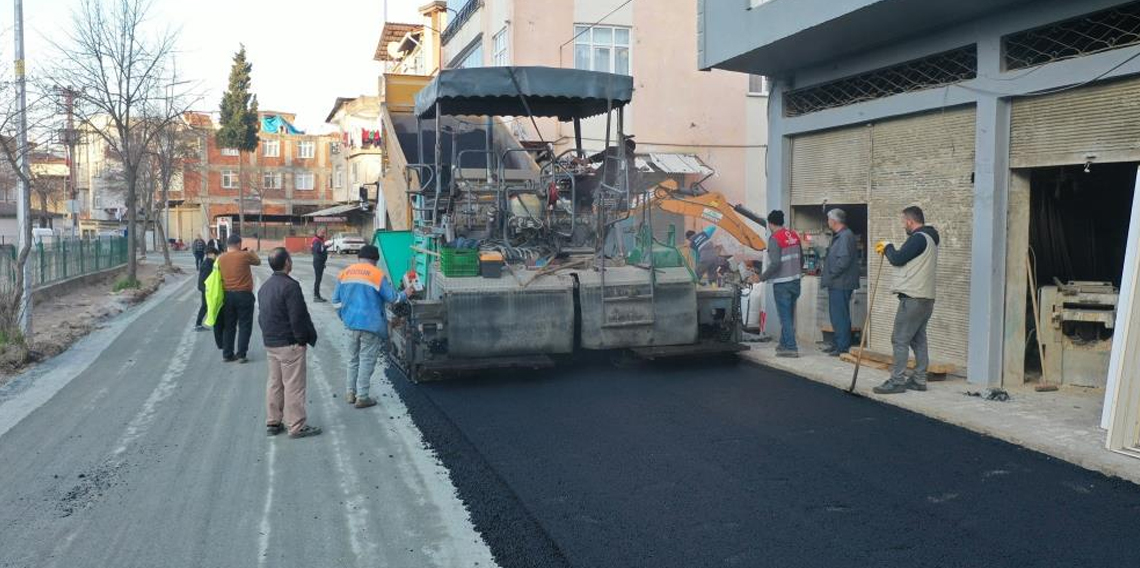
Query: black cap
x=368, y=252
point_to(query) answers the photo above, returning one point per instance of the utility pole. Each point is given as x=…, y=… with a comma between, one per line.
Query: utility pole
x=71, y=140
x=23, y=217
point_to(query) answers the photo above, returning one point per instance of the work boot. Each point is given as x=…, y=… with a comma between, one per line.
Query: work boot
x=365, y=402
x=273, y=429
x=305, y=432
x=914, y=385
x=890, y=386
x=350, y=397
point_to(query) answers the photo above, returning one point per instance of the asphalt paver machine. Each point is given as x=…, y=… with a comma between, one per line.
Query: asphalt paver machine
x=515, y=250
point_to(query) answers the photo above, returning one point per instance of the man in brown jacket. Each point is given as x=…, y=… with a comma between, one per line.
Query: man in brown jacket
x=237, y=311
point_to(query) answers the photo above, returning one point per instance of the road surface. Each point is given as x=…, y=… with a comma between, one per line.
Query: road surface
x=140, y=448
x=154, y=454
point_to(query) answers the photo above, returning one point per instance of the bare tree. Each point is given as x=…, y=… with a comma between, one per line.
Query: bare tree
x=120, y=67
x=173, y=148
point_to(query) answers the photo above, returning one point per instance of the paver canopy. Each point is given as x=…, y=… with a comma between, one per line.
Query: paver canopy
x=565, y=94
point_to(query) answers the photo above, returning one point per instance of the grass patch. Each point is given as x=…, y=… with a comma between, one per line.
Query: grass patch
x=11, y=338
x=126, y=284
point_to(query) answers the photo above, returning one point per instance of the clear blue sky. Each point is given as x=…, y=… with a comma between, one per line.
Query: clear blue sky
x=304, y=53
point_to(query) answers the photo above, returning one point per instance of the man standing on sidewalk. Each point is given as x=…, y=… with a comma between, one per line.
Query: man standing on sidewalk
x=841, y=278
x=199, y=249
x=287, y=331
x=785, y=265
x=237, y=310
x=915, y=283
x=320, y=257
x=361, y=292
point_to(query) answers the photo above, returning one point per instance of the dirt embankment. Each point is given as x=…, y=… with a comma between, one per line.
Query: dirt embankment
x=61, y=320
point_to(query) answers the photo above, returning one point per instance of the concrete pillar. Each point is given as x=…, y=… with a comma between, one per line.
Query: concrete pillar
x=989, y=239
x=779, y=159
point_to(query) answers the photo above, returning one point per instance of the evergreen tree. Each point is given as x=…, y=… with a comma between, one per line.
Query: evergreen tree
x=239, y=122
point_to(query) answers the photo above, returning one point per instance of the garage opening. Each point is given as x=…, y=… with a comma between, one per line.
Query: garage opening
x=813, y=318
x=811, y=221
x=1078, y=231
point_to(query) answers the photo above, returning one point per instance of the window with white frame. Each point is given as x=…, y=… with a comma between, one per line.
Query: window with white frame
x=304, y=181
x=229, y=179
x=230, y=152
x=500, y=55
x=355, y=173
x=271, y=148
x=602, y=48
x=306, y=149
x=338, y=177
x=758, y=86
x=271, y=180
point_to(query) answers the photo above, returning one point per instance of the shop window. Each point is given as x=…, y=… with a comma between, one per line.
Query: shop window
x=1084, y=35
x=937, y=70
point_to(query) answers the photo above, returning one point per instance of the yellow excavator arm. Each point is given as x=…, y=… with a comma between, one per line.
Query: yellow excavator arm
x=711, y=207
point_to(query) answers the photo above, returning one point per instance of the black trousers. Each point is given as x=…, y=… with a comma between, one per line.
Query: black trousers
x=201, y=309
x=319, y=270
x=198, y=256
x=237, y=322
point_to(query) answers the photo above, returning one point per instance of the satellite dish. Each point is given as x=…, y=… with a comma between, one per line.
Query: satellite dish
x=394, y=49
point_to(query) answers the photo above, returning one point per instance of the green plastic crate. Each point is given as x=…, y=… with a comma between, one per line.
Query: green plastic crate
x=458, y=263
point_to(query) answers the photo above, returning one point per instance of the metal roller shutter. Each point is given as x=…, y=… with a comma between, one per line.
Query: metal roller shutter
x=832, y=166
x=926, y=160
x=1102, y=120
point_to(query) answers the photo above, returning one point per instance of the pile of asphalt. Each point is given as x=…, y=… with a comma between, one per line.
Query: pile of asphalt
x=736, y=465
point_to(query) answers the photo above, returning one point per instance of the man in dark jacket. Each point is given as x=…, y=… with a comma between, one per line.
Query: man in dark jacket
x=199, y=248
x=917, y=264
x=841, y=278
x=204, y=270
x=287, y=330
x=320, y=250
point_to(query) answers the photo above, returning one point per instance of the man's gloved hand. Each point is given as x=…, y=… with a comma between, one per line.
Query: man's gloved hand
x=880, y=247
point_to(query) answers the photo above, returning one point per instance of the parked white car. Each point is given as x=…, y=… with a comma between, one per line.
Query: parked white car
x=346, y=243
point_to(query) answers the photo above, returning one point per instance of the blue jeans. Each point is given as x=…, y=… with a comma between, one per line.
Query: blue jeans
x=839, y=305
x=365, y=350
x=786, y=294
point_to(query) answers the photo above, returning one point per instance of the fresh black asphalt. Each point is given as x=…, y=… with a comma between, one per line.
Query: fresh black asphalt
x=591, y=465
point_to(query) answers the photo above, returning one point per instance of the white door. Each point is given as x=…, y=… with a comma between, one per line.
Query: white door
x=1122, y=396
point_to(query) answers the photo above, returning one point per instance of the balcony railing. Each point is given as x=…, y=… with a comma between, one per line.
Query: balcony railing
x=461, y=18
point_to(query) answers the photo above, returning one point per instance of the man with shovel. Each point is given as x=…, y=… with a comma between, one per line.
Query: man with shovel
x=917, y=260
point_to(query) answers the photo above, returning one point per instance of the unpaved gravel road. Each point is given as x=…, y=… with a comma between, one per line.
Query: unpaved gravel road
x=138, y=447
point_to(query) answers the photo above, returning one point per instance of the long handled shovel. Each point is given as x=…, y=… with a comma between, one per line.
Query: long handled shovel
x=866, y=323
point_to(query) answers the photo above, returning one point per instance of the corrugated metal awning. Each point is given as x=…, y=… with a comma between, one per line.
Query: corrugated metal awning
x=683, y=164
x=337, y=210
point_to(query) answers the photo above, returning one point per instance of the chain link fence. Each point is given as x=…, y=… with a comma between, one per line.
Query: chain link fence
x=61, y=259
